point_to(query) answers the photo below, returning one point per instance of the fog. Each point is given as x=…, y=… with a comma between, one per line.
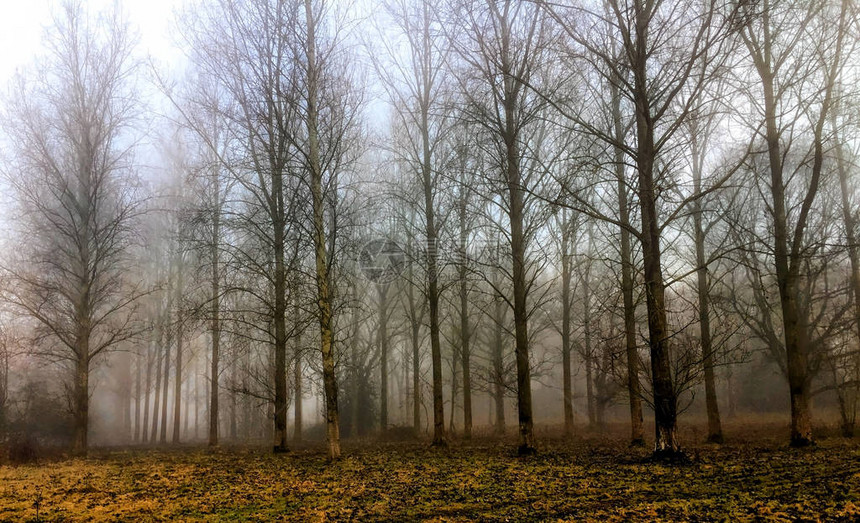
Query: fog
x=282, y=224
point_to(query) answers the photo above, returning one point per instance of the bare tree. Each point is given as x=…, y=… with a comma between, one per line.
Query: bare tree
x=568, y=224
x=203, y=112
x=659, y=56
x=74, y=180
x=775, y=34
x=329, y=112
x=414, y=83
x=9, y=345
x=849, y=223
x=260, y=111
x=700, y=130
x=501, y=47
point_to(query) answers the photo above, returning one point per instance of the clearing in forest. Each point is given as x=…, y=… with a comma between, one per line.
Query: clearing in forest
x=482, y=481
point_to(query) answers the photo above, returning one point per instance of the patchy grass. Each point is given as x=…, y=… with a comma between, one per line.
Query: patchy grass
x=483, y=481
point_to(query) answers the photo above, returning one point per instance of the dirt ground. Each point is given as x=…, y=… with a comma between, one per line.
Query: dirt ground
x=593, y=477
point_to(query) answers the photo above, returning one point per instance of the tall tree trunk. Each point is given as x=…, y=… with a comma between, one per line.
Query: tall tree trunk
x=415, y=327
x=247, y=411
x=518, y=248
x=165, y=380
x=416, y=361
x=589, y=384
x=853, y=256
x=516, y=216
x=403, y=385
x=125, y=397
x=82, y=396
x=297, y=391
x=567, y=378
x=149, y=357
x=137, y=392
x=634, y=394
x=280, y=312
x=439, y=438
x=524, y=388
x=83, y=331
x=382, y=290
x=715, y=431
x=788, y=255
x=168, y=341
x=197, y=404
x=233, y=408
x=731, y=392
x=186, y=415
x=665, y=400
x=454, y=390
x=156, y=403
x=215, y=330
x=466, y=365
x=322, y=274
x=177, y=388
x=794, y=328
x=601, y=397
x=589, y=349
x=355, y=425
x=208, y=385
x=498, y=362
x=4, y=394
x=465, y=332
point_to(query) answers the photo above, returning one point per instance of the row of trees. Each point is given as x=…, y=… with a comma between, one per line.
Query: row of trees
x=659, y=188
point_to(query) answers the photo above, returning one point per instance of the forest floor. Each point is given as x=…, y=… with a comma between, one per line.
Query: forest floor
x=754, y=476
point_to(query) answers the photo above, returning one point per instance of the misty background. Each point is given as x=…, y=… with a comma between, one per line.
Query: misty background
x=270, y=222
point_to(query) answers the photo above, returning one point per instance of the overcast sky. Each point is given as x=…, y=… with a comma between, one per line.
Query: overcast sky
x=23, y=22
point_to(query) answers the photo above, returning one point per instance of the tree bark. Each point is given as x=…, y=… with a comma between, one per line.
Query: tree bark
x=320, y=255
x=498, y=361
x=715, y=432
x=634, y=394
x=83, y=310
x=665, y=400
x=297, y=391
x=787, y=246
x=567, y=377
x=415, y=325
x=159, y=353
x=177, y=389
x=454, y=390
x=498, y=384
x=125, y=400
x=148, y=385
x=215, y=324
x=137, y=385
x=165, y=380
x=82, y=397
x=587, y=335
x=279, y=312
x=465, y=356
x=516, y=209
x=382, y=290
x=853, y=256
x=234, y=411
x=4, y=393
x=465, y=332
x=439, y=438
